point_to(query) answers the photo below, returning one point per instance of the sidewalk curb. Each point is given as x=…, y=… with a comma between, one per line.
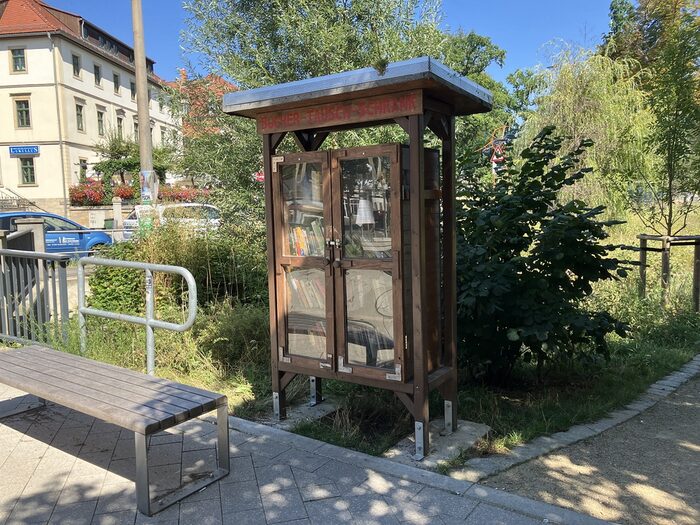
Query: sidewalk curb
x=477, y=469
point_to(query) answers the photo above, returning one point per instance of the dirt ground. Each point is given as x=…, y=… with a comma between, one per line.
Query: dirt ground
x=645, y=471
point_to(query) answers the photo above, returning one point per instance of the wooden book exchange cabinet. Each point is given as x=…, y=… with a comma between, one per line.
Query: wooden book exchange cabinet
x=361, y=242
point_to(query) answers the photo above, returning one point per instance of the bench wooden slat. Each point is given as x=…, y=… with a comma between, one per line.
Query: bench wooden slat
x=142, y=379
x=113, y=395
x=95, y=408
x=141, y=384
x=81, y=395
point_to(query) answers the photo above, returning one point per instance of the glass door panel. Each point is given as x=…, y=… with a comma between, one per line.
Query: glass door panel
x=303, y=209
x=366, y=207
x=306, y=312
x=369, y=318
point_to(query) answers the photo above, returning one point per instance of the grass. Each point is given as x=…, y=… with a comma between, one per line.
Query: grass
x=662, y=339
x=228, y=351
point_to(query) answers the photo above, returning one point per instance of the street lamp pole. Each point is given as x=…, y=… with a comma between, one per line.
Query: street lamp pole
x=148, y=179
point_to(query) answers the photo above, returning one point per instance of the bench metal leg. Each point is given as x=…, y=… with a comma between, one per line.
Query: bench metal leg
x=222, y=428
x=143, y=498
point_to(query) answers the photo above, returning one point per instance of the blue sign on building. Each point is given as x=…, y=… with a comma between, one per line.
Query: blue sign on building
x=24, y=150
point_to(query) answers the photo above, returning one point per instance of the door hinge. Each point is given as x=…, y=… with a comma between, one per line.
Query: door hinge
x=396, y=376
x=405, y=343
x=282, y=357
x=342, y=367
x=405, y=192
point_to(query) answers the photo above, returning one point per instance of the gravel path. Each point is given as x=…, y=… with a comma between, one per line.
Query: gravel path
x=644, y=471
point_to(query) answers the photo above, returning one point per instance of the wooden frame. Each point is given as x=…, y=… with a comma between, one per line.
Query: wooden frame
x=423, y=217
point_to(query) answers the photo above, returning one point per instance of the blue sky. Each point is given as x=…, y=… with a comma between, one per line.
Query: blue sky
x=522, y=27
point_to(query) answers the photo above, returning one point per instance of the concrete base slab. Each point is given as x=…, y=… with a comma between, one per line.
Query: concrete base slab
x=302, y=412
x=442, y=447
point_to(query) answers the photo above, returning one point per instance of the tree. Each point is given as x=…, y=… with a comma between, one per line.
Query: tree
x=273, y=41
x=120, y=157
x=592, y=96
x=674, y=88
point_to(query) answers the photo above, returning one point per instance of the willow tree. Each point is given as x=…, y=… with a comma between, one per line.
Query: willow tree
x=592, y=96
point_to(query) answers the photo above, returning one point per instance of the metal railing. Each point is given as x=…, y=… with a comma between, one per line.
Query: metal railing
x=33, y=295
x=149, y=321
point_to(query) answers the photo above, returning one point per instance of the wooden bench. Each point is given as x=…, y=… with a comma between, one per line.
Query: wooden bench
x=131, y=400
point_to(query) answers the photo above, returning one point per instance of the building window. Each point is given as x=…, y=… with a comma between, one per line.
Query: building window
x=163, y=136
x=101, y=123
x=136, y=131
x=82, y=166
x=27, y=174
x=120, y=127
x=22, y=112
x=115, y=80
x=150, y=94
x=76, y=66
x=133, y=91
x=80, y=117
x=19, y=61
x=98, y=74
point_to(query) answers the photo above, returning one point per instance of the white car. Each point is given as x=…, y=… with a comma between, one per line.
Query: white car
x=200, y=217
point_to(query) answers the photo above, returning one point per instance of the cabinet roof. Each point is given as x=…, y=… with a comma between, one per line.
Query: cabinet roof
x=462, y=95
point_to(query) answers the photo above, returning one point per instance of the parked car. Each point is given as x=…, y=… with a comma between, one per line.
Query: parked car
x=61, y=235
x=201, y=217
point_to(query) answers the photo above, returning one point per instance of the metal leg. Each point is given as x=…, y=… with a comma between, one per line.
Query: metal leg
x=449, y=425
x=420, y=441
x=315, y=392
x=143, y=498
x=222, y=428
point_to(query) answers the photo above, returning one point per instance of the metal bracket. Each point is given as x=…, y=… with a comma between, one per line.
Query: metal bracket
x=342, y=367
x=396, y=376
x=282, y=357
x=276, y=404
x=275, y=161
x=420, y=444
x=448, y=417
x=323, y=364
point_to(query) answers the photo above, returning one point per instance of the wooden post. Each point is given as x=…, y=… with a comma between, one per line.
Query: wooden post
x=449, y=272
x=421, y=414
x=642, y=267
x=696, y=276
x=665, y=267
x=279, y=400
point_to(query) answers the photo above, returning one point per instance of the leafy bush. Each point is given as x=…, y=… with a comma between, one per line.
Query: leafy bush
x=223, y=264
x=88, y=193
x=525, y=262
x=124, y=192
x=117, y=289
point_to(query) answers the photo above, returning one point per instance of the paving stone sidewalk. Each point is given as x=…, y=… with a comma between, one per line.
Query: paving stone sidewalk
x=58, y=466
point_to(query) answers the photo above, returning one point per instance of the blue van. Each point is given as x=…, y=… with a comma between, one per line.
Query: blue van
x=61, y=235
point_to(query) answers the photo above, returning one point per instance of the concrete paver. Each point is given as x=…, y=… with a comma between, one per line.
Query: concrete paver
x=58, y=466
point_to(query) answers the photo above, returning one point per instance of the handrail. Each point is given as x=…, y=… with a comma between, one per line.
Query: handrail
x=35, y=255
x=148, y=321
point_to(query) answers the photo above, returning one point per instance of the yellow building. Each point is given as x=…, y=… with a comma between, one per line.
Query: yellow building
x=65, y=84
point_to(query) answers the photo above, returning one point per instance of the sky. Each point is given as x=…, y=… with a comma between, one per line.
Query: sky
x=526, y=29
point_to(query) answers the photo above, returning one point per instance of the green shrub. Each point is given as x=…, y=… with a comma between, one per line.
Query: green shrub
x=224, y=265
x=525, y=262
x=117, y=289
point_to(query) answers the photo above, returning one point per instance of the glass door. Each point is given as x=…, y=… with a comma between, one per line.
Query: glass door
x=301, y=191
x=366, y=272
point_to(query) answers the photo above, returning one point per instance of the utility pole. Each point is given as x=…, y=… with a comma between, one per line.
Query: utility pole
x=148, y=179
